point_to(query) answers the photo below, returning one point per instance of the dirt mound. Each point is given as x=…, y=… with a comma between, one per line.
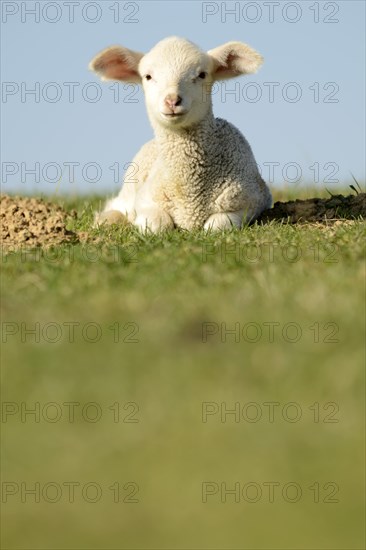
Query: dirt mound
x=30, y=222
x=317, y=210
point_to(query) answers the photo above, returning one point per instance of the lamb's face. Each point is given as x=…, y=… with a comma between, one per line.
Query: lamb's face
x=177, y=81
x=176, y=75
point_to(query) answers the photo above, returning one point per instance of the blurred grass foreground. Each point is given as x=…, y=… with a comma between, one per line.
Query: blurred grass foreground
x=187, y=390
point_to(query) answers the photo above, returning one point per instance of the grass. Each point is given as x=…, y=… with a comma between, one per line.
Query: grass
x=187, y=326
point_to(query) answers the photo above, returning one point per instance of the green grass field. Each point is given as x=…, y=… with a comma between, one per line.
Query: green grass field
x=201, y=391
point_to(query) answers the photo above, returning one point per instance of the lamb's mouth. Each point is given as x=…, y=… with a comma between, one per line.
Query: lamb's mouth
x=173, y=115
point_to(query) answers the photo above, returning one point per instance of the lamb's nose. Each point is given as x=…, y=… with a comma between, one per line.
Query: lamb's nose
x=173, y=100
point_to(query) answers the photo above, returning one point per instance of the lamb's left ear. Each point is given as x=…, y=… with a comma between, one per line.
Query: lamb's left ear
x=233, y=59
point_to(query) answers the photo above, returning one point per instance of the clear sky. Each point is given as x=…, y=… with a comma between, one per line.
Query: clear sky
x=303, y=112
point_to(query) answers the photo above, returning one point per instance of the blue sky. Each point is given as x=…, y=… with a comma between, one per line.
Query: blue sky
x=303, y=112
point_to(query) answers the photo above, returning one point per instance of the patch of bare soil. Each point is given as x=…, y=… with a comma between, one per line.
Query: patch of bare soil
x=337, y=207
x=30, y=222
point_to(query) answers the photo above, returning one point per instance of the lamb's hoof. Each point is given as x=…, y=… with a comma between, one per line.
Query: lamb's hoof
x=154, y=221
x=111, y=217
x=222, y=221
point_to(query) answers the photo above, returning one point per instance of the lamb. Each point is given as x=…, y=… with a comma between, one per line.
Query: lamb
x=199, y=171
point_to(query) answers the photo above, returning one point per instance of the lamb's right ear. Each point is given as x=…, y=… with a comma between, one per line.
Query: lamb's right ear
x=117, y=63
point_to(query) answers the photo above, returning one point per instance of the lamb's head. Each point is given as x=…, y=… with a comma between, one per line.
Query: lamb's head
x=177, y=76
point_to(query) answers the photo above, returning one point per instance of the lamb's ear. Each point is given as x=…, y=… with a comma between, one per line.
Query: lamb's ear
x=117, y=63
x=233, y=59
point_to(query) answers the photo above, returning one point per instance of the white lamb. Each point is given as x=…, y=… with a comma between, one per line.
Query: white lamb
x=199, y=171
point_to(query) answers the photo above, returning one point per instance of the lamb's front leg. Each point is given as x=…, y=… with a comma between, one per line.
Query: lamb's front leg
x=153, y=219
x=150, y=212
x=224, y=220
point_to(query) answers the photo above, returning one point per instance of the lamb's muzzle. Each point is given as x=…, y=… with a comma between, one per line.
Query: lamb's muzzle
x=173, y=101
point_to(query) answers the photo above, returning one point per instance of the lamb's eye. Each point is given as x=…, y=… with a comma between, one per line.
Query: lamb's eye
x=148, y=77
x=202, y=75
